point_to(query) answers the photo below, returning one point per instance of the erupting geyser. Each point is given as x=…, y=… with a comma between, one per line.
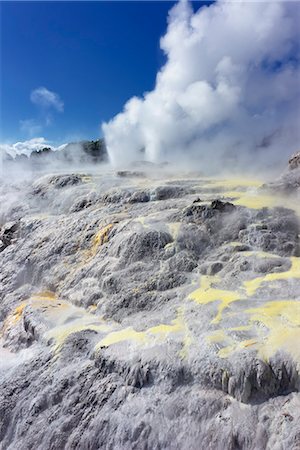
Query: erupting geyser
x=230, y=87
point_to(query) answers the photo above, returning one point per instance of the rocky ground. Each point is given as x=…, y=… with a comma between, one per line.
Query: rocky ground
x=147, y=310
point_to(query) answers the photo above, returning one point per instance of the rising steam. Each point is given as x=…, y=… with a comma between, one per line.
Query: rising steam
x=229, y=91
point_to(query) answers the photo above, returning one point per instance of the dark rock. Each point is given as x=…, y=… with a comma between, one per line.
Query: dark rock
x=181, y=262
x=167, y=192
x=7, y=234
x=197, y=212
x=197, y=200
x=193, y=240
x=144, y=245
x=294, y=161
x=139, y=197
x=129, y=174
x=214, y=268
x=62, y=181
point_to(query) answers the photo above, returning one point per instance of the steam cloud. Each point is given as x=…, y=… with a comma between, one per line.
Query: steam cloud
x=228, y=93
x=27, y=147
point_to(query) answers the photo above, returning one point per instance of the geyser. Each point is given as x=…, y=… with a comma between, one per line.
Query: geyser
x=230, y=87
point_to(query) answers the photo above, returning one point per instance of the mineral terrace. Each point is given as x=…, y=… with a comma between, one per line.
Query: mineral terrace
x=146, y=310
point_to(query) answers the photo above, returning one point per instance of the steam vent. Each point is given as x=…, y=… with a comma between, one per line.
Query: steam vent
x=145, y=310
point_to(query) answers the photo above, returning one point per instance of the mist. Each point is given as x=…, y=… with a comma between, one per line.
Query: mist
x=227, y=96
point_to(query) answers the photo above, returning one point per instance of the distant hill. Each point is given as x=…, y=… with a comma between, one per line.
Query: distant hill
x=83, y=152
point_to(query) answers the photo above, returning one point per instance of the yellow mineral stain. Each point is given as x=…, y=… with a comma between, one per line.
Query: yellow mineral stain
x=177, y=325
x=174, y=229
x=234, y=183
x=13, y=318
x=260, y=254
x=248, y=342
x=217, y=336
x=18, y=312
x=225, y=352
x=127, y=334
x=86, y=178
x=281, y=319
x=142, y=221
x=245, y=192
x=44, y=295
x=162, y=330
x=231, y=344
x=101, y=238
x=251, y=286
x=35, y=299
x=233, y=244
x=234, y=195
x=92, y=308
x=257, y=253
x=156, y=334
x=208, y=294
x=277, y=327
x=240, y=328
x=62, y=332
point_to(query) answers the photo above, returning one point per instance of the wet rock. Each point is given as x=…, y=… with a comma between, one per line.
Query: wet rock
x=208, y=211
x=269, y=265
x=197, y=200
x=167, y=192
x=129, y=173
x=142, y=245
x=181, y=262
x=214, y=268
x=289, y=181
x=116, y=196
x=274, y=231
x=139, y=197
x=81, y=204
x=193, y=240
x=294, y=161
x=49, y=182
x=7, y=234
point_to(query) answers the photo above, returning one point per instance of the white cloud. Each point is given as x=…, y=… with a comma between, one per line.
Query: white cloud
x=46, y=99
x=229, y=86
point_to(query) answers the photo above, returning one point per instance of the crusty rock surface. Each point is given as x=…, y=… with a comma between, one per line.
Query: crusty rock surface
x=148, y=312
x=289, y=181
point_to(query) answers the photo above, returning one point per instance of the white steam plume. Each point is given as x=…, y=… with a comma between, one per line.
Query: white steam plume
x=228, y=93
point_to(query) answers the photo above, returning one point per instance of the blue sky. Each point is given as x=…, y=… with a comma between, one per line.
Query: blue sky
x=93, y=55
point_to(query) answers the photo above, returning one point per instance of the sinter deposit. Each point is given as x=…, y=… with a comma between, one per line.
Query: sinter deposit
x=147, y=310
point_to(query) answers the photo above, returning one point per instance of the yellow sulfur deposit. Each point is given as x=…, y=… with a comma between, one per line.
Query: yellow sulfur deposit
x=251, y=286
x=62, y=332
x=234, y=183
x=218, y=336
x=260, y=254
x=101, y=237
x=152, y=335
x=207, y=294
x=37, y=299
x=44, y=295
x=122, y=335
x=255, y=200
x=282, y=320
